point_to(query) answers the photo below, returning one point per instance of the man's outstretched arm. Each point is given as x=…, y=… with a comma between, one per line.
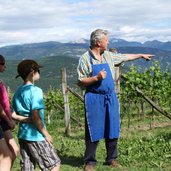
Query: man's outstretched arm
x=131, y=57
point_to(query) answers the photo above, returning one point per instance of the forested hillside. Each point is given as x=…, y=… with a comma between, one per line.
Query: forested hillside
x=55, y=55
x=50, y=73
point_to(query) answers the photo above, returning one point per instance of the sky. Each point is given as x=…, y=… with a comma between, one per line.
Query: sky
x=32, y=21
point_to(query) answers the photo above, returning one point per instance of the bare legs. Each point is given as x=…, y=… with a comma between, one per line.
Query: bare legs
x=8, y=151
x=5, y=156
x=11, y=144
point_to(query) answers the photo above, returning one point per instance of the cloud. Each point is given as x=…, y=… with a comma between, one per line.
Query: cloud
x=25, y=21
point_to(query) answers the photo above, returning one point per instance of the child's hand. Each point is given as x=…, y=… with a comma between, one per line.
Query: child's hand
x=21, y=118
x=14, y=115
x=49, y=139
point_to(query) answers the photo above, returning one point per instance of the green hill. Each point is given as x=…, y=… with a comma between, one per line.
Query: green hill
x=50, y=73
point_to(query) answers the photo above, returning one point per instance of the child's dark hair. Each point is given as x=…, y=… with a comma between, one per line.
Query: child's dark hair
x=2, y=59
x=26, y=66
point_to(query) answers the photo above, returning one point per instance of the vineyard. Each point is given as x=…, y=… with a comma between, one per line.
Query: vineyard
x=145, y=142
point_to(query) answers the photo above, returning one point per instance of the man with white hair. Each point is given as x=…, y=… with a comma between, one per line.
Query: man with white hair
x=96, y=74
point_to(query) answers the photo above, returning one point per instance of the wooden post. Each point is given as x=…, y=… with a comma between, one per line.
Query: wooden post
x=117, y=80
x=66, y=102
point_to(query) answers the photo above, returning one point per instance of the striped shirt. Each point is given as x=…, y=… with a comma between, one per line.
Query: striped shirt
x=84, y=68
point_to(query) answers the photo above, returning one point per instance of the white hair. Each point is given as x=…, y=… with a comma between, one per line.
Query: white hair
x=97, y=35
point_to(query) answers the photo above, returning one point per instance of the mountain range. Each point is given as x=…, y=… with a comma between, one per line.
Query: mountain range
x=56, y=55
x=75, y=49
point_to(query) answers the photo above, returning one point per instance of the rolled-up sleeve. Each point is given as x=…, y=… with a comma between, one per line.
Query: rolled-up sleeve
x=118, y=58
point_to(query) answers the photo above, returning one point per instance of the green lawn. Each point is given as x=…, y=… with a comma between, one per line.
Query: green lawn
x=140, y=148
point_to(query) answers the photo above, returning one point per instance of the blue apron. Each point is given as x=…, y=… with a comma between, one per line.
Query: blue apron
x=102, y=106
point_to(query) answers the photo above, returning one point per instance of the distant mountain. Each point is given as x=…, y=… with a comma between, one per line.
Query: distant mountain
x=81, y=41
x=151, y=44
x=50, y=73
x=74, y=49
x=161, y=50
x=120, y=43
x=55, y=55
x=163, y=56
x=39, y=50
x=158, y=45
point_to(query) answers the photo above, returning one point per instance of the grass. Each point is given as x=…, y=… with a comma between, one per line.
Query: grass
x=140, y=148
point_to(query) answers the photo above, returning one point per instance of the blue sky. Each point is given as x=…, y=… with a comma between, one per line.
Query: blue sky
x=28, y=21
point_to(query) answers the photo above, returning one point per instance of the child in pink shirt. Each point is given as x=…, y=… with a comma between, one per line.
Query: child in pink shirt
x=8, y=146
x=4, y=100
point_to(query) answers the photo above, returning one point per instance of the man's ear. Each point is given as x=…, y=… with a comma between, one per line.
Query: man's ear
x=98, y=43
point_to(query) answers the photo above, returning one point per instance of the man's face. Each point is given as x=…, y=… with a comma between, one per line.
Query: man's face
x=104, y=43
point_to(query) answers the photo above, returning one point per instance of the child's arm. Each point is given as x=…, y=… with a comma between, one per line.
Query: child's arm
x=38, y=123
x=4, y=117
x=21, y=118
